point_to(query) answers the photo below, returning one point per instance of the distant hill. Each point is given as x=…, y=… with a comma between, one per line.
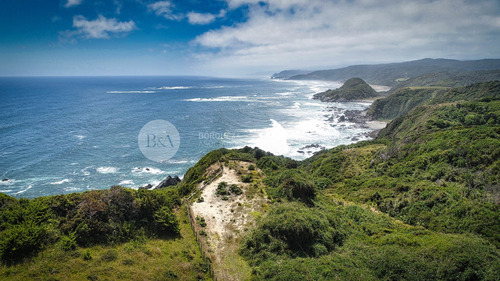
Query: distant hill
x=404, y=100
x=449, y=79
x=285, y=74
x=353, y=89
x=394, y=73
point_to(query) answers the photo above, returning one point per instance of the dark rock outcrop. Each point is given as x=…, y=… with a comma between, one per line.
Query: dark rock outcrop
x=147, y=186
x=169, y=181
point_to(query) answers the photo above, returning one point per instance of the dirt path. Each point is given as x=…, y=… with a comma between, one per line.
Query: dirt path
x=227, y=221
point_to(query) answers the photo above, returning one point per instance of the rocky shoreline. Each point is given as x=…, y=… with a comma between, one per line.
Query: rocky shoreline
x=343, y=118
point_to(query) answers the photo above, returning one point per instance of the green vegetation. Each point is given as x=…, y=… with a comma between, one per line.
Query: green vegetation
x=421, y=202
x=405, y=99
x=448, y=79
x=353, y=89
x=389, y=74
x=84, y=219
x=143, y=257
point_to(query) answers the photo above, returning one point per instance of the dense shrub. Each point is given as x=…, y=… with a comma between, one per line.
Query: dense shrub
x=291, y=184
x=94, y=217
x=22, y=241
x=166, y=221
x=292, y=229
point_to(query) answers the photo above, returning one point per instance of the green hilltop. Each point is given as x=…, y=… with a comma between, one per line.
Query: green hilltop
x=420, y=202
x=352, y=89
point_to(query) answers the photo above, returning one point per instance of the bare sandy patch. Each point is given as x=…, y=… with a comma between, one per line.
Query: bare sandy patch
x=227, y=221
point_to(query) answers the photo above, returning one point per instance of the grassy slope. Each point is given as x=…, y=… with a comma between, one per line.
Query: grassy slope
x=176, y=258
x=449, y=79
x=403, y=100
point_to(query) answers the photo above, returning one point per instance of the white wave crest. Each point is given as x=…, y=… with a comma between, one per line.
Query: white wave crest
x=61, y=181
x=273, y=139
x=131, y=92
x=24, y=190
x=107, y=170
x=147, y=170
x=126, y=182
x=174, y=88
x=222, y=98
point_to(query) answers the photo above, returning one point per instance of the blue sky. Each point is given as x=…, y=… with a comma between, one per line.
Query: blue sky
x=236, y=37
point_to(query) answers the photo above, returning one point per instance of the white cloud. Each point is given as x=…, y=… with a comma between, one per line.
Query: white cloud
x=101, y=27
x=72, y=3
x=301, y=33
x=199, y=18
x=164, y=9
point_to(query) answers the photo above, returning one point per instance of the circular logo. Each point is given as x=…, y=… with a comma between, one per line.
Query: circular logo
x=159, y=140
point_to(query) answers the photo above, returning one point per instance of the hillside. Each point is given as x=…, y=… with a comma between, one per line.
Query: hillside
x=393, y=73
x=353, y=89
x=285, y=74
x=420, y=202
x=405, y=99
x=449, y=79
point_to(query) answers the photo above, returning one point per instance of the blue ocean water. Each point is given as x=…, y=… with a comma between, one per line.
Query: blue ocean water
x=71, y=134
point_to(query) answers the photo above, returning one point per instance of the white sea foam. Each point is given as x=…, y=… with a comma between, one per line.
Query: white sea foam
x=174, y=88
x=222, y=98
x=71, y=189
x=216, y=87
x=7, y=182
x=126, y=182
x=170, y=161
x=131, y=92
x=85, y=171
x=147, y=170
x=273, y=138
x=107, y=170
x=24, y=190
x=80, y=137
x=61, y=181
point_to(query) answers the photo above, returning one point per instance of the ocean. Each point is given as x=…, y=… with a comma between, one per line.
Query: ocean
x=72, y=134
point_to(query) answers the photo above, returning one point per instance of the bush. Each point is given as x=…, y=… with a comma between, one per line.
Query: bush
x=22, y=241
x=293, y=229
x=68, y=242
x=235, y=189
x=166, y=221
x=87, y=255
x=292, y=184
x=247, y=178
x=222, y=189
x=201, y=221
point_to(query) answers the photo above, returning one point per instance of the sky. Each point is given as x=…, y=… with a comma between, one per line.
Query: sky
x=237, y=37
